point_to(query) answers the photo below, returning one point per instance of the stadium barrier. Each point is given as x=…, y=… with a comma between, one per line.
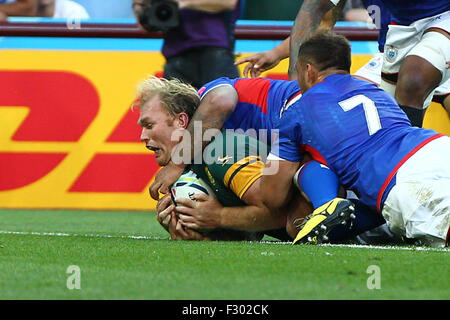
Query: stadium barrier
x=68, y=137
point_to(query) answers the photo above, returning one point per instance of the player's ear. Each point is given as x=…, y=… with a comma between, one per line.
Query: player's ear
x=312, y=73
x=183, y=120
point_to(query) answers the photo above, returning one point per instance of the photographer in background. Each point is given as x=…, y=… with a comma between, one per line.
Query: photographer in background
x=200, y=48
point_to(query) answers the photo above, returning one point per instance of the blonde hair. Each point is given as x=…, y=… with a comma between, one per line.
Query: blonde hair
x=175, y=95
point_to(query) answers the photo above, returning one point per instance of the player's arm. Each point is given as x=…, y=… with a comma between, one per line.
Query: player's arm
x=256, y=216
x=242, y=178
x=206, y=213
x=263, y=61
x=210, y=6
x=276, y=188
x=307, y=22
x=20, y=8
x=216, y=106
x=267, y=60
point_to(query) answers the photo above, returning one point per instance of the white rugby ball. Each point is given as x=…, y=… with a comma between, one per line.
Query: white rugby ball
x=188, y=185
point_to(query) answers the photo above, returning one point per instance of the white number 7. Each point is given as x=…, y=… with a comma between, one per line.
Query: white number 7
x=370, y=110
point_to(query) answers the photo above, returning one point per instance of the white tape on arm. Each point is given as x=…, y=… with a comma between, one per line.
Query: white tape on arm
x=273, y=157
x=335, y=2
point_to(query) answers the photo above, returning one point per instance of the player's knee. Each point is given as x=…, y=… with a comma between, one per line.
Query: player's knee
x=434, y=47
x=423, y=69
x=415, y=84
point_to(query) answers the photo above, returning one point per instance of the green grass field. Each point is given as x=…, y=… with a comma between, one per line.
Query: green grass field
x=127, y=255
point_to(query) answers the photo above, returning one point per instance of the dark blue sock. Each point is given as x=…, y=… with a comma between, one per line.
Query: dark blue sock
x=318, y=182
x=367, y=218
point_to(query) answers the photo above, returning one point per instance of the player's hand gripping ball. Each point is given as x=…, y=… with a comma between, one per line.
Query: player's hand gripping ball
x=188, y=185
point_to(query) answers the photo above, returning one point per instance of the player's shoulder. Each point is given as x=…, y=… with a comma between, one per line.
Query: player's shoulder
x=234, y=141
x=262, y=84
x=336, y=86
x=229, y=147
x=222, y=81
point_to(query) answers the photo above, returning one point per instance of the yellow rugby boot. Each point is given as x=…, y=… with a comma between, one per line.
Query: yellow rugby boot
x=318, y=224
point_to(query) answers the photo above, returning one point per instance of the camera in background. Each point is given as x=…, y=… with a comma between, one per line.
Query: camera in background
x=159, y=15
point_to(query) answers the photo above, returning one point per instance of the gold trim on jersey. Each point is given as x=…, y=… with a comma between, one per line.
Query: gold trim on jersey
x=241, y=175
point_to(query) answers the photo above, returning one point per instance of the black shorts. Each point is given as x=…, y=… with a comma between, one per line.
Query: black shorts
x=199, y=66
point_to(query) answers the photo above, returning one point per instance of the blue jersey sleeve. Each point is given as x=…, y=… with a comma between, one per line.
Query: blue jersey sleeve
x=214, y=84
x=288, y=138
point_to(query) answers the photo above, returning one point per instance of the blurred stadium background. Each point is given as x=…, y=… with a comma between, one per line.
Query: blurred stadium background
x=68, y=140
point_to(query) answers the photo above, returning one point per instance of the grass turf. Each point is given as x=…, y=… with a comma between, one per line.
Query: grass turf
x=37, y=247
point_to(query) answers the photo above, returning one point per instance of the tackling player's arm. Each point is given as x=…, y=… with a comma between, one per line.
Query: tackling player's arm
x=307, y=22
x=267, y=60
x=284, y=159
x=276, y=189
x=216, y=106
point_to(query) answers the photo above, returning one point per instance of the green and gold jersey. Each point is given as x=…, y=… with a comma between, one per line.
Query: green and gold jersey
x=231, y=164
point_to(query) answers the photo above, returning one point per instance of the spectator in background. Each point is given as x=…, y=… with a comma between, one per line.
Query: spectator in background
x=61, y=9
x=354, y=10
x=201, y=48
x=20, y=8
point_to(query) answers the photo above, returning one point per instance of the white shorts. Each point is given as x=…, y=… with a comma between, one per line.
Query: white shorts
x=418, y=206
x=443, y=89
x=371, y=72
x=401, y=41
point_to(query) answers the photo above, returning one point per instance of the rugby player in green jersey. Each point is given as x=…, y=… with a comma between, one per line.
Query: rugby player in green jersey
x=232, y=165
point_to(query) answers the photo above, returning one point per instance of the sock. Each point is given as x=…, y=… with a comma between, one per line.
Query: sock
x=317, y=182
x=414, y=115
x=367, y=218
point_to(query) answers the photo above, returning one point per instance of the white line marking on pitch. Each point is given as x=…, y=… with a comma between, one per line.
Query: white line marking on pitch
x=61, y=234
x=363, y=246
x=138, y=237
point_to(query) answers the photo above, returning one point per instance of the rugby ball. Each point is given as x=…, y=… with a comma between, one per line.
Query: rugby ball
x=188, y=185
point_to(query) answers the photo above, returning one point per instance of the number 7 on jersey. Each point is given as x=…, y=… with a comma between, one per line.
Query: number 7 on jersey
x=370, y=111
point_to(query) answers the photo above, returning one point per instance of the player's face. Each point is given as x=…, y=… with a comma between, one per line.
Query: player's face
x=157, y=129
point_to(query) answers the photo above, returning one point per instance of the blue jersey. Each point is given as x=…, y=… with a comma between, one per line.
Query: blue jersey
x=356, y=129
x=381, y=17
x=405, y=12
x=259, y=104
